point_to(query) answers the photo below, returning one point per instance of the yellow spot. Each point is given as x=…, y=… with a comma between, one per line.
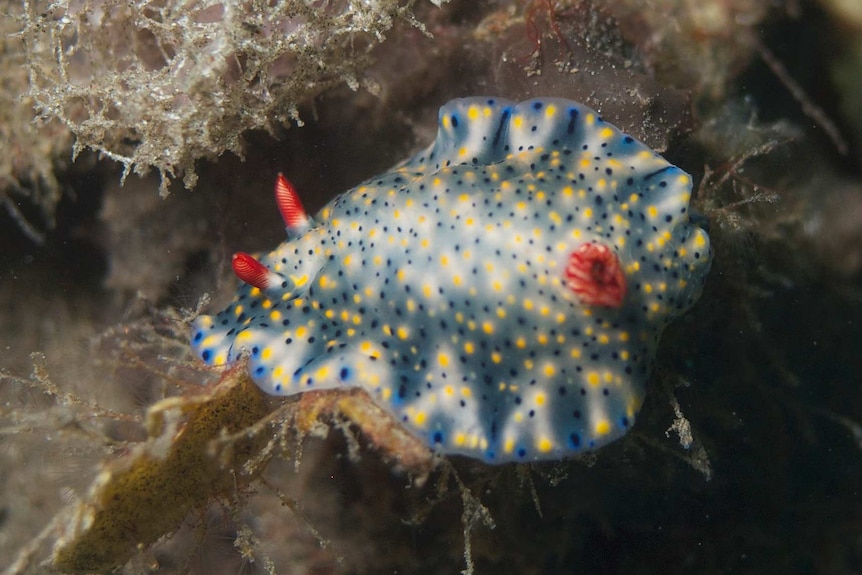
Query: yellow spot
x=426, y=290
x=588, y=213
x=520, y=343
x=424, y=243
x=469, y=347
x=238, y=310
x=466, y=391
x=403, y=333
x=652, y=211
x=528, y=363
x=593, y=378
x=544, y=445
x=462, y=151
x=443, y=359
x=488, y=327
x=473, y=112
x=419, y=418
x=540, y=399
x=496, y=357
x=603, y=427
x=299, y=281
x=606, y=133
x=517, y=121
x=509, y=445
x=550, y=371
x=528, y=304
x=456, y=280
x=275, y=315
x=444, y=260
x=400, y=275
x=603, y=338
x=321, y=373
x=501, y=313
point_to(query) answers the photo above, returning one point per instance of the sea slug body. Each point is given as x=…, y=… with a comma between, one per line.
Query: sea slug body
x=501, y=293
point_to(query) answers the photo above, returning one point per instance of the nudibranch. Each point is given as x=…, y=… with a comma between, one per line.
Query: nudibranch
x=500, y=293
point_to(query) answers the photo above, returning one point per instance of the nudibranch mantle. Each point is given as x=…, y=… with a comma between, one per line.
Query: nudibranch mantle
x=500, y=293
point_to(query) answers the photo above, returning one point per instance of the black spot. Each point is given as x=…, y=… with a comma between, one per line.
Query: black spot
x=573, y=115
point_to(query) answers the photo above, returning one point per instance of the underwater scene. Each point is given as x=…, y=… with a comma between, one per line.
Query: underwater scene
x=431, y=287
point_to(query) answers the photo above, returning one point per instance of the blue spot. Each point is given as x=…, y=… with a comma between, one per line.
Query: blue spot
x=537, y=105
x=259, y=370
x=522, y=453
x=255, y=351
x=575, y=440
x=437, y=438
x=278, y=388
x=454, y=119
x=206, y=355
x=198, y=336
x=344, y=374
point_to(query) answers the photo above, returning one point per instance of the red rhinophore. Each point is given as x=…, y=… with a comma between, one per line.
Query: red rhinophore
x=596, y=275
x=251, y=271
x=291, y=209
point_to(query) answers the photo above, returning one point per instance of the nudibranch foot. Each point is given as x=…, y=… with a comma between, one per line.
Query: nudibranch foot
x=501, y=293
